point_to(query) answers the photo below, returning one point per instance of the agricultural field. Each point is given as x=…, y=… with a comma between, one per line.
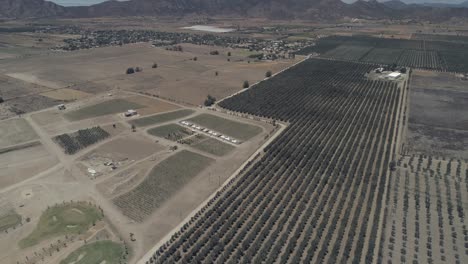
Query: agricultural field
x=62, y=219
x=437, y=115
x=214, y=146
x=421, y=54
x=347, y=52
x=105, y=108
x=104, y=251
x=326, y=202
x=163, y=181
x=227, y=127
x=450, y=38
x=426, y=212
x=161, y=118
x=172, y=132
x=15, y=131
x=74, y=142
x=383, y=55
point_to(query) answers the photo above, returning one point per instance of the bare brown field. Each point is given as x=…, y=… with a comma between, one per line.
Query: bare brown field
x=177, y=77
x=66, y=94
x=437, y=115
x=22, y=163
x=15, y=131
x=121, y=152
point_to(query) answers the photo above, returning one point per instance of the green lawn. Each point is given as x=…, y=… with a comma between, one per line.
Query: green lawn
x=165, y=179
x=69, y=218
x=9, y=220
x=227, y=127
x=214, y=146
x=96, y=253
x=161, y=118
x=172, y=132
x=105, y=108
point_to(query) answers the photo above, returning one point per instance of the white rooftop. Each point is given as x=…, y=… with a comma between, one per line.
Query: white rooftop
x=394, y=74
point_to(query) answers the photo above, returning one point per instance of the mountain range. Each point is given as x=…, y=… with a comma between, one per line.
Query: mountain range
x=277, y=9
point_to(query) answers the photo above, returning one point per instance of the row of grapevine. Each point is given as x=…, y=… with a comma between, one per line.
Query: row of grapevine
x=449, y=56
x=427, y=217
x=315, y=196
x=74, y=142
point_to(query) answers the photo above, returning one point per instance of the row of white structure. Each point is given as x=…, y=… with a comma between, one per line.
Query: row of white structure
x=195, y=127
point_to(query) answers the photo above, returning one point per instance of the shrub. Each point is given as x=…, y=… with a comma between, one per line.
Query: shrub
x=268, y=74
x=130, y=70
x=210, y=100
x=246, y=84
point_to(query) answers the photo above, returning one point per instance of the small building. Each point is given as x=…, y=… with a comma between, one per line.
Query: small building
x=394, y=75
x=130, y=112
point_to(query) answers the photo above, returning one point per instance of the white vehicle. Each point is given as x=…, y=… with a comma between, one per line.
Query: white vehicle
x=234, y=141
x=61, y=107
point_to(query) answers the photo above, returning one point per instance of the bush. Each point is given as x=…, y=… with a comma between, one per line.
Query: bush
x=155, y=65
x=214, y=52
x=1, y=100
x=195, y=58
x=210, y=100
x=229, y=54
x=130, y=71
x=268, y=74
x=246, y=84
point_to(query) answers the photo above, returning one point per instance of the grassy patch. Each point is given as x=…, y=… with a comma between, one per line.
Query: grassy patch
x=96, y=253
x=227, y=127
x=172, y=132
x=70, y=218
x=9, y=220
x=161, y=118
x=214, y=147
x=105, y=108
x=162, y=182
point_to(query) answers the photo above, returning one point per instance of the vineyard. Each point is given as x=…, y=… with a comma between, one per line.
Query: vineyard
x=449, y=56
x=172, y=132
x=160, y=184
x=316, y=193
x=74, y=142
x=426, y=212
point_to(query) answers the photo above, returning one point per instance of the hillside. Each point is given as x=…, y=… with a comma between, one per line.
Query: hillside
x=276, y=9
x=30, y=8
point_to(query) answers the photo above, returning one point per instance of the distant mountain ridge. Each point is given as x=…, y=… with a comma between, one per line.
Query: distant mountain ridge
x=275, y=9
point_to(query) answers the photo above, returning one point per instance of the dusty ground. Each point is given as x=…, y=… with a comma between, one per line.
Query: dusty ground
x=177, y=76
x=438, y=123
x=40, y=175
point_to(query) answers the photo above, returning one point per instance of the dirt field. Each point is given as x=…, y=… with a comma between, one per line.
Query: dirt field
x=66, y=94
x=23, y=163
x=437, y=121
x=177, y=76
x=121, y=152
x=15, y=131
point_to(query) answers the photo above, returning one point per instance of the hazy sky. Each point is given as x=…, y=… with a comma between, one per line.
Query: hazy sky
x=90, y=2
